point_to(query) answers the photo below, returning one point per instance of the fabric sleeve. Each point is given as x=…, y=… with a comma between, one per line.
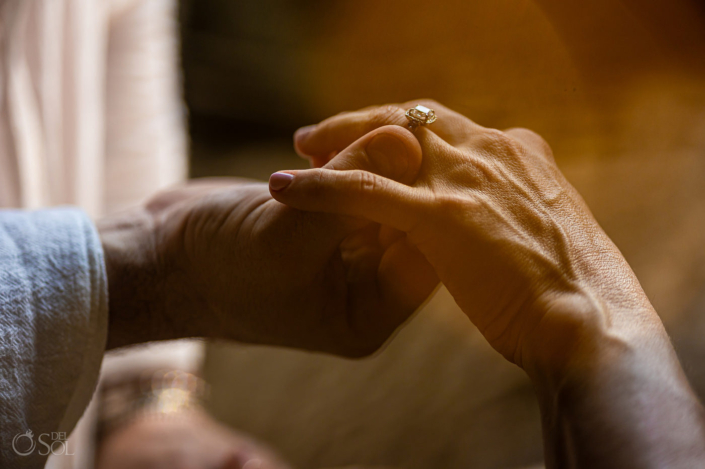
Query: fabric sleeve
x=53, y=327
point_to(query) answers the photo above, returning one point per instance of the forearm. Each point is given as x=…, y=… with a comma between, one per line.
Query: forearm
x=621, y=400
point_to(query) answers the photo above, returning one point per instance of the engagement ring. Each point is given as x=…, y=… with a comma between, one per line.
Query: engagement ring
x=420, y=116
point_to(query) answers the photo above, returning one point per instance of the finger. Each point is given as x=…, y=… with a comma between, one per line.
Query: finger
x=361, y=254
x=334, y=134
x=355, y=193
x=337, y=132
x=406, y=279
x=390, y=151
x=402, y=283
x=532, y=141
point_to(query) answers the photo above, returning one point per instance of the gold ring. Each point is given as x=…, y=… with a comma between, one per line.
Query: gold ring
x=419, y=116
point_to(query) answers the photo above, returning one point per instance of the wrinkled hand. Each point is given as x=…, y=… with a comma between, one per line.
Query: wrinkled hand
x=506, y=233
x=221, y=258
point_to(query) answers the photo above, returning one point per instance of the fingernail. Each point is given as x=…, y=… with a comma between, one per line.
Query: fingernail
x=279, y=181
x=389, y=154
x=301, y=134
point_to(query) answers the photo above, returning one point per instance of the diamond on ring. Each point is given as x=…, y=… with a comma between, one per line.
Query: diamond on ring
x=420, y=116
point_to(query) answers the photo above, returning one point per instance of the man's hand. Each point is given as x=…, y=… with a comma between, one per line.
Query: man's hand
x=222, y=259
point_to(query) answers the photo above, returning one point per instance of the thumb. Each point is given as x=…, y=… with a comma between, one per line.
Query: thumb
x=360, y=181
x=390, y=151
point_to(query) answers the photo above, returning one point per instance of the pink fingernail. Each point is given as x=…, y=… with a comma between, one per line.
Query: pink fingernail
x=279, y=181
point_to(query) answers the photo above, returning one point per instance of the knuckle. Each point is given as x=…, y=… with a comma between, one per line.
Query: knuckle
x=366, y=182
x=388, y=114
x=524, y=132
x=496, y=143
x=334, y=120
x=455, y=203
x=498, y=137
x=319, y=178
x=532, y=138
x=317, y=183
x=429, y=103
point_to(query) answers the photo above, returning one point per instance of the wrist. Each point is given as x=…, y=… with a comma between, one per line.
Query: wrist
x=135, y=290
x=578, y=333
x=620, y=388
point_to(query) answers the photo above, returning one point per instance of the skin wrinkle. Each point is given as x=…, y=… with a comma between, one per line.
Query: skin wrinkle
x=503, y=329
x=381, y=116
x=193, y=232
x=224, y=219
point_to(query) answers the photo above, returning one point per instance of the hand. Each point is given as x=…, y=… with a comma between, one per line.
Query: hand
x=524, y=258
x=506, y=233
x=181, y=440
x=223, y=259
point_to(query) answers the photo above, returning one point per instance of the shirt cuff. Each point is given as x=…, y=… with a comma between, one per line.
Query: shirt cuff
x=53, y=326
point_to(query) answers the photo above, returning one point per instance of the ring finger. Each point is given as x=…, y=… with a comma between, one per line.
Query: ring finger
x=323, y=141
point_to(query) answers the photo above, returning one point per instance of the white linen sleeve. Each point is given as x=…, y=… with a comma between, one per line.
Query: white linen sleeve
x=53, y=327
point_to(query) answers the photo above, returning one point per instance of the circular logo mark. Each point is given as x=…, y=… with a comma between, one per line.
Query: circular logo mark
x=16, y=442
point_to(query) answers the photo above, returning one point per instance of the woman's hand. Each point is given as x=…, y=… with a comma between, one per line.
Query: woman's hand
x=507, y=234
x=526, y=261
x=221, y=258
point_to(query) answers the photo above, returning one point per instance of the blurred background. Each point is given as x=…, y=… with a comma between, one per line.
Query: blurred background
x=104, y=102
x=617, y=87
